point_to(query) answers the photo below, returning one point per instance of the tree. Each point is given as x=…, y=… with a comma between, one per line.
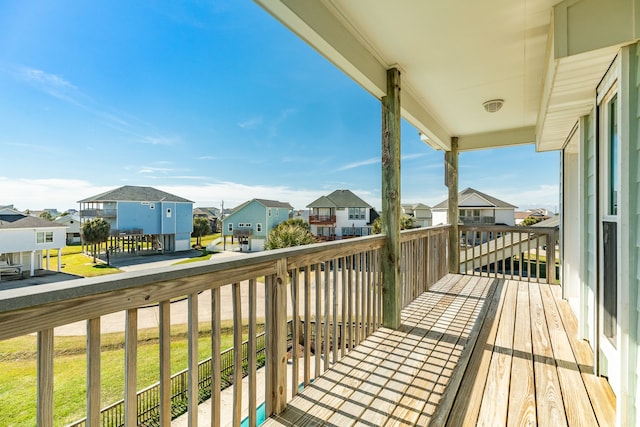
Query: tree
x=201, y=227
x=292, y=232
x=95, y=232
x=406, y=223
x=46, y=215
x=529, y=221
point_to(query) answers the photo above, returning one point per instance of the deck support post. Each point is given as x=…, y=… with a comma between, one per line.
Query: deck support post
x=391, y=286
x=451, y=170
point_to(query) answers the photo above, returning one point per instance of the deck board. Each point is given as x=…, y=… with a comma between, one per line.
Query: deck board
x=471, y=351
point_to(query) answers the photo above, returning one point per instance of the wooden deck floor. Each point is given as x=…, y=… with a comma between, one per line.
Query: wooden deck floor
x=471, y=351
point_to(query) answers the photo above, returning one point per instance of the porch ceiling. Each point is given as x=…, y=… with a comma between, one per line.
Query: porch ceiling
x=454, y=55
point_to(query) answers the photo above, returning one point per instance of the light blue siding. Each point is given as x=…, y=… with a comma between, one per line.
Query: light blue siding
x=137, y=215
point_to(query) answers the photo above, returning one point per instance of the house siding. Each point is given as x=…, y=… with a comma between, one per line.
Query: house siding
x=137, y=215
x=505, y=216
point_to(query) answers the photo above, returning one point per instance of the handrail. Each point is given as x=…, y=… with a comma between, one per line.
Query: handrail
x=508, y=251
x=334, y=283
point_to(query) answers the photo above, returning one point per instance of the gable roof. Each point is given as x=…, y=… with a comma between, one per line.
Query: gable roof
x=264, y=202
x=339, y=199
x=468, y=193
x=132, y=193
x=15, y=219
x=273, y=203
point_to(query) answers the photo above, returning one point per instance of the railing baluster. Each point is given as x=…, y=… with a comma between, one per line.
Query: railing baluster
x=334, y=337
x=252, y=349
x=295, y=332
x=45, y=378
x=237, y=354
x=93, y=372
x=343, y=299
x=216, y=380
x=538, y=257
x=192, y=364
x=165, y=363
x=358, y=300
x=327, y=315
x=349, y=300
x=529, y=257
x=307, y=325
x=318, y=316
x=130, y=367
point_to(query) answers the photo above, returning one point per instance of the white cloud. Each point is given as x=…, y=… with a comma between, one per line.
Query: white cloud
x=354, y=165
x=251, y=123
x=62, y=194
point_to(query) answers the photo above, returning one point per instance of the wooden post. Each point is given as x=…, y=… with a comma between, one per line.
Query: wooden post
x=44, y=415
x=451, y=169
x=391, y=286
x=276, y=340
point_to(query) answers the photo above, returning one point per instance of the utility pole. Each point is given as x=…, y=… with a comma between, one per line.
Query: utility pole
x=224, y=238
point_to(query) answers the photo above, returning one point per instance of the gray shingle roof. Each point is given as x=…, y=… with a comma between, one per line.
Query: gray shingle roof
x=339, y=199
x=25, y=221
x=273, y=203
x=132, y=193
x=470, y=191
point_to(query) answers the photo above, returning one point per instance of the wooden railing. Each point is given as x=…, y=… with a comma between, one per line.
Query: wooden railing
x=336, y=283
x=322, y=219
x=523, y=253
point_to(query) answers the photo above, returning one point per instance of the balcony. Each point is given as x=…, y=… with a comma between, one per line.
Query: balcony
x=473, y=220
x=348, y=366
x=99, y=213
x=322, y=219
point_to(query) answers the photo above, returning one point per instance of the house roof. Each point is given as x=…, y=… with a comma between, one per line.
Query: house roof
x=264, y=202
x=469, y=192
x=274, y=204
x=132, y=193
x=203, y=211
x=339, y=199
x=20, y=220
x=415, y=206
x=542, y=57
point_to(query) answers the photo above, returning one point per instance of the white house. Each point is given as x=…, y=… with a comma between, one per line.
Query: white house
x=476, y=207
x=339, y=215
x=420, y=213
x=23, y=240
x=72, y=222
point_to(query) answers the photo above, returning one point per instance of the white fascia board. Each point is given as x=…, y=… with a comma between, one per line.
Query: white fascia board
x=501, y=138
x=318, y=27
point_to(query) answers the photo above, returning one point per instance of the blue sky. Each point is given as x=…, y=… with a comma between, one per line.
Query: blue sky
x=209, y=100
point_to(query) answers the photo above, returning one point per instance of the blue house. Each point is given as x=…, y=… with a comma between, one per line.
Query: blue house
x=142, y=219
x=252, y=221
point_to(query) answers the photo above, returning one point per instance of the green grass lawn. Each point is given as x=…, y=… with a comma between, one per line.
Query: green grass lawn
x=18, y=367
x=75, y=262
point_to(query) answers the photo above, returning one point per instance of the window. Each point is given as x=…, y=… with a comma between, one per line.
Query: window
x=269, y=212
x=168, y=212
x=230, y=226
x=357, y=213
x=152, y=205
x=258, y=227
x=44, y=237
x=244, y=225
